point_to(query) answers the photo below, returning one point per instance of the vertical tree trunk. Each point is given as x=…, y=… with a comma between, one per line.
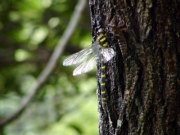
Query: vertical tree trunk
x=143, y=79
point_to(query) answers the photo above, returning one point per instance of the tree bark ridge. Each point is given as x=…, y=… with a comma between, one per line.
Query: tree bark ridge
x=143, y=86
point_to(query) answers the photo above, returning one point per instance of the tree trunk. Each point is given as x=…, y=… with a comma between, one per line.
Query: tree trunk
x=143, y=79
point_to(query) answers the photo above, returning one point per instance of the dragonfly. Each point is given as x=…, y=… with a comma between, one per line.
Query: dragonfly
x=85, y=58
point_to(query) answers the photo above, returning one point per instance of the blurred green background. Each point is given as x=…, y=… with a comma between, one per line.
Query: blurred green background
x=65, y=105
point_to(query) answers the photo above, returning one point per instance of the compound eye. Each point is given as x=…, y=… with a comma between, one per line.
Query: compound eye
x=101, y=30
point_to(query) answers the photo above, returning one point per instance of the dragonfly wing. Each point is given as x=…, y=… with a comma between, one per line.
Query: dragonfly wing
x=108, y=53
x=85, y=66
x=96, y=48
x=77, y=57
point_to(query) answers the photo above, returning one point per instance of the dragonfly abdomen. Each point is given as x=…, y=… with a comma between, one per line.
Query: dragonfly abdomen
x=122, y=44
x=103, y=82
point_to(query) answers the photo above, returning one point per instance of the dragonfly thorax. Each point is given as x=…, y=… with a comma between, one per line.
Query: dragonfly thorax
x=102, y=38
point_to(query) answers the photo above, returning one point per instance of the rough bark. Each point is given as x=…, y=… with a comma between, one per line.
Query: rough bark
x=142, y=82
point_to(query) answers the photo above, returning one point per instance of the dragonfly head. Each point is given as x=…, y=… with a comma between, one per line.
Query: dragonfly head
x=101, y=31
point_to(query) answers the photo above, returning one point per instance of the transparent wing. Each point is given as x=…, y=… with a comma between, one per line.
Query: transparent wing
x=108, y=53
x=85, y=66
x=77, y=57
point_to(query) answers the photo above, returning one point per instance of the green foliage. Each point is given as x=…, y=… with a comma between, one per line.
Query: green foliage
x=29, y=31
